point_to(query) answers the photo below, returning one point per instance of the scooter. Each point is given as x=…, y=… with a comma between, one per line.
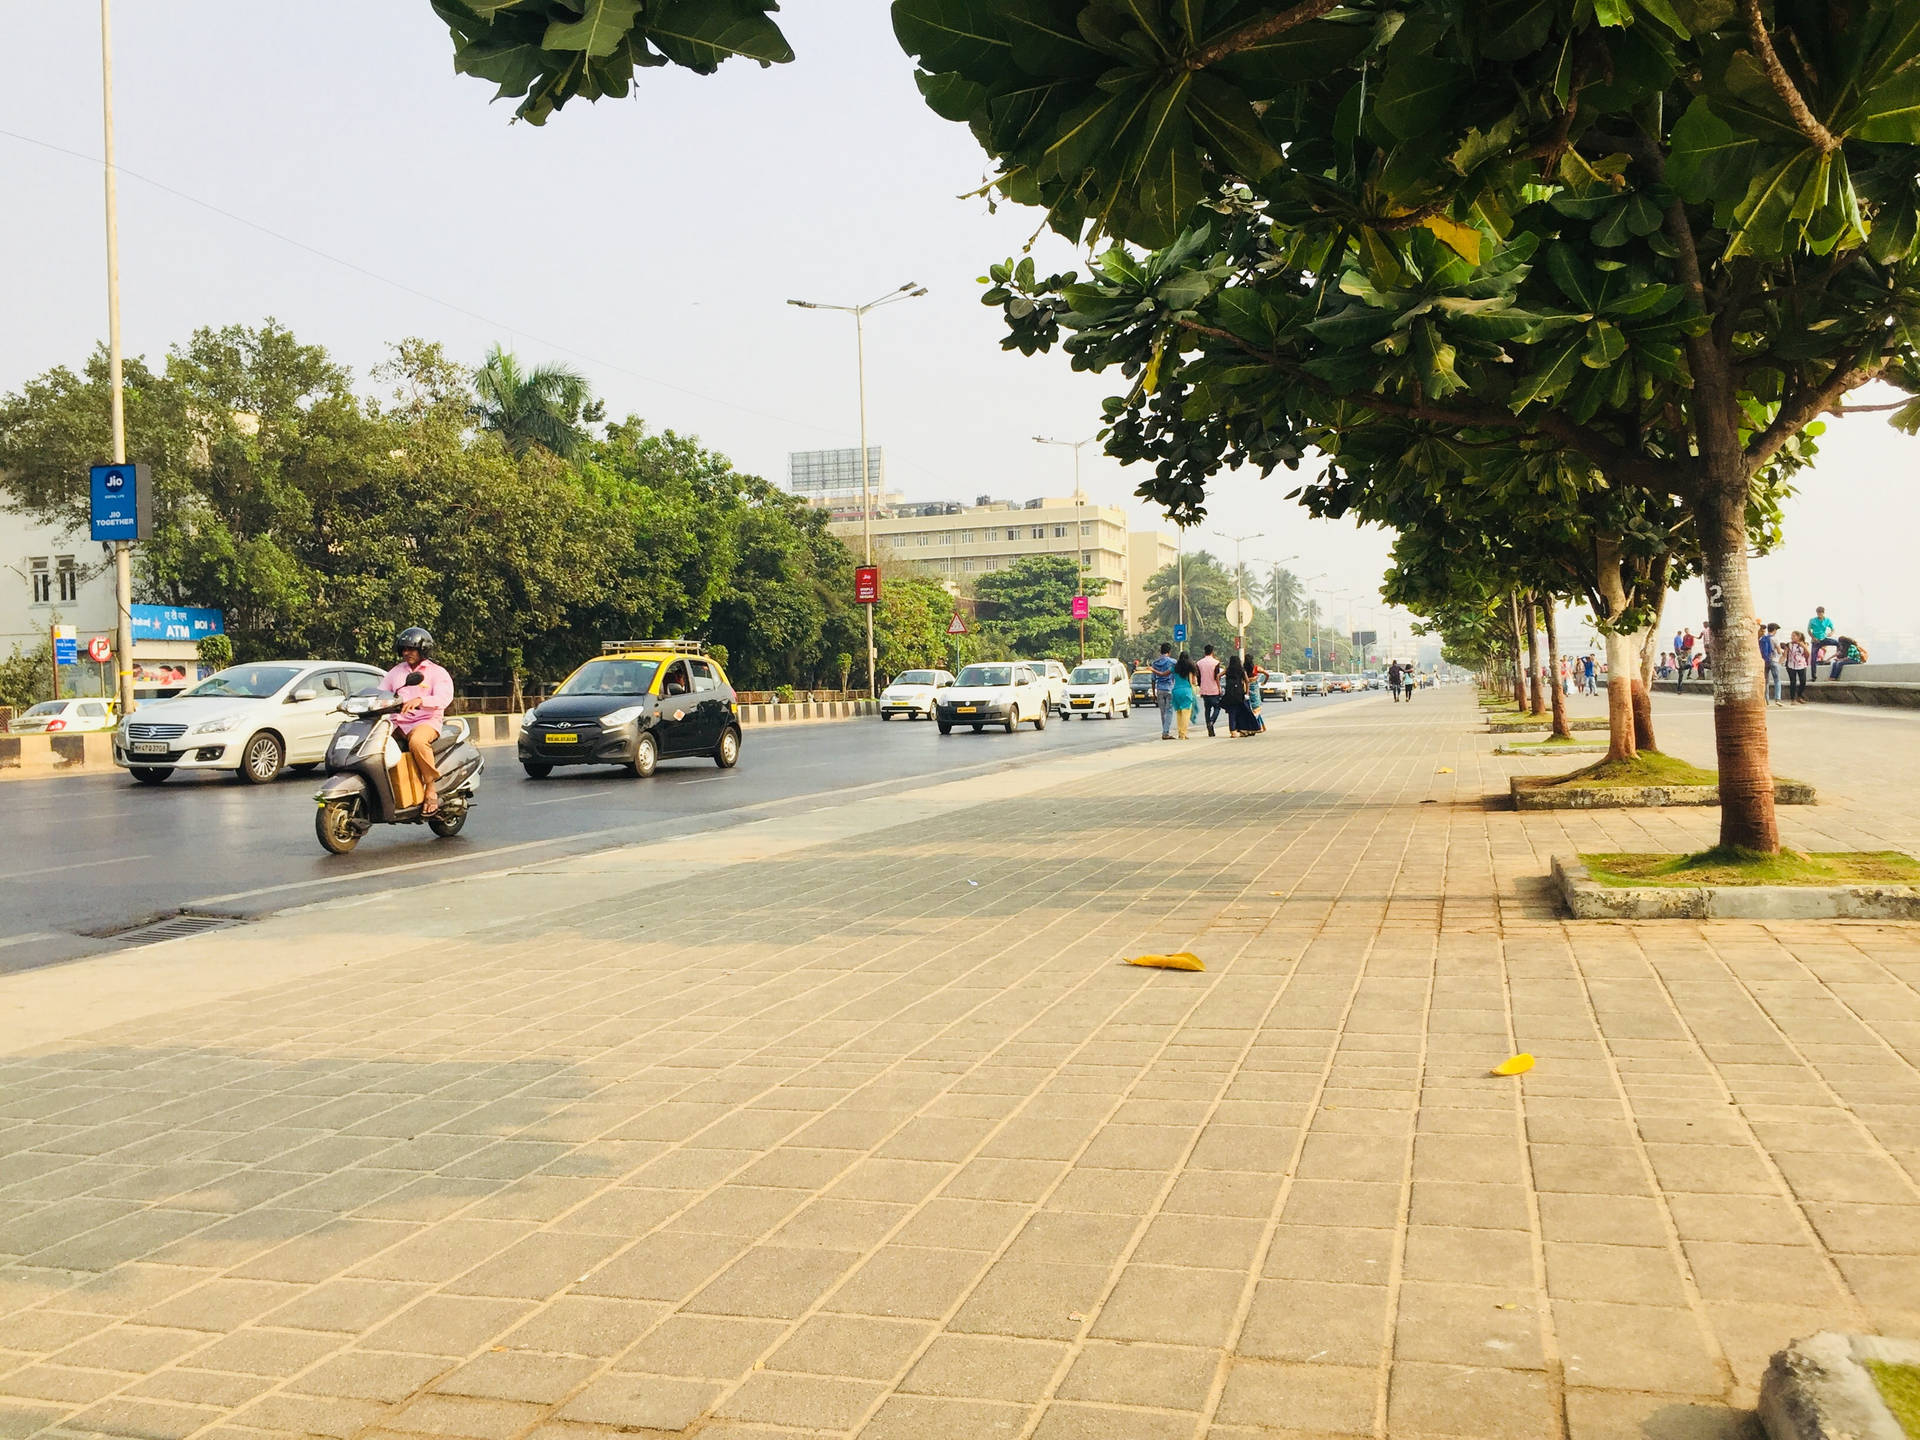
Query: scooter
x=363, y=785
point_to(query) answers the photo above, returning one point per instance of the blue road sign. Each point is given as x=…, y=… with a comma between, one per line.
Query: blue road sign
x=1309, y=652
x=122, y=502
x=66, y=650
x=1179, y=634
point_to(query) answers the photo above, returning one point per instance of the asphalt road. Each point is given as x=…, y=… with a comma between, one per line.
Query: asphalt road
x=89, y=857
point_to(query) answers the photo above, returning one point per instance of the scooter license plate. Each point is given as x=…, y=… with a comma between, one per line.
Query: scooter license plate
x=148, y=747
x=563, y=739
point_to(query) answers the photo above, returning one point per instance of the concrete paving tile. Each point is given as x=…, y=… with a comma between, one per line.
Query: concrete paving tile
x=1472, y=1204
x=1171, y=1306
x=1489, y=1404
x=452, y=1415
x=1313, y=1322
x=134, y=1348
x=1607, y=1415
x=1346, y=1255
x=709, y=1347
x=446, y=1325
x=1602, y=1219
x=902, y=1280
x=928, y=1417
x=1126, y=1373
x=1634, y=1347
x=1342, y=1202
x=1726, y=1270
x=813, y=1402
x=222, y=1390
x=1468, y=1325
x=642, y=1402
x=536, y=1379
x=142, y=1419
x=775, y=1281
x=986, y=1367
x=1070, y=1420
x=1462, y=1256
x=372, y=1375
x=663, y=1266
x=1035, y=1301
x=63, y=1383
x=1866, y=1229
x=839, y=1224
x=1071, y=1239
x=953, y=1224
x=1107, y=1192
x=1327, y=1399
x=1628, y=1274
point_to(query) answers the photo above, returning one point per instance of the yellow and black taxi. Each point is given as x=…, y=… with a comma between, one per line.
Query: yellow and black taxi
x=640, y=702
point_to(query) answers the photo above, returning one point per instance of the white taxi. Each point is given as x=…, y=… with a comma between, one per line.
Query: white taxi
x=996, y=692
x=912, y=694
x=1099, y=687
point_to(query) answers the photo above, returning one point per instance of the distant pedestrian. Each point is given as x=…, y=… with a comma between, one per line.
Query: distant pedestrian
x=1587, y=676
x=1819, y=636
x=1408, y=680
x=1209, y=667
x=1254, y=673
x=1234, y=692
x=1846, y=651
x=1770, y=658
x=1799, y=657
x=1394, y=674
x=1186, y=677
x=1163, y=689
x=1682, y=659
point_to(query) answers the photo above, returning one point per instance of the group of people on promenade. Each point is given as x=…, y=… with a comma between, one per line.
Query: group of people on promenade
x=1798, y=657
x=1183, y=685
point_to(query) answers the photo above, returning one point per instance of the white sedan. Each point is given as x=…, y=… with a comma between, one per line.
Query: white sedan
x=64, y=717
x=1276, y=687
x=1000, y=692
x=1099, y=687
x=912, y=694
x=254, y=720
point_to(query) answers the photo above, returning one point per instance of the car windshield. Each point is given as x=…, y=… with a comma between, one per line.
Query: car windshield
x=914, y=677
x=1092, y=675
x=987, y=675
x=46, y=707
x=243, y=682
x=611, y=677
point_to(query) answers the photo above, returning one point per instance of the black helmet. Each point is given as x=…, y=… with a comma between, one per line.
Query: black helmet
x=414, y=638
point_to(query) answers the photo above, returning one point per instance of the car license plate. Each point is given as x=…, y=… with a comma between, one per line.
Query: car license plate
x=966, y=709
x=1084, y=704
x=563, y=739
x=148, y=747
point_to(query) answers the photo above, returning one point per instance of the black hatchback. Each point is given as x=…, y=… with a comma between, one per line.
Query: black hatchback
x=634, y=707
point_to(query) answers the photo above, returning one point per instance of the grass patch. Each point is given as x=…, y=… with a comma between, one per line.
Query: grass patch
x=1899, y=1386
x=1649, y=767
x=1727, y=866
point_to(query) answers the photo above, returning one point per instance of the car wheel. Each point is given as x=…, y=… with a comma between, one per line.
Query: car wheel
x=1040, y=721
x=535, y=770
x=646, y=757
x=728, y=755
x=263, y=759
x=150, y=774
x=946, y=727
x=1013, y=719
x=885, y=716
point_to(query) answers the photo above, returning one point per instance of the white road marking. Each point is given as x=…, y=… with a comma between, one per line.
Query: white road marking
x=28, y=939
x=77, y=865
x=563, y=799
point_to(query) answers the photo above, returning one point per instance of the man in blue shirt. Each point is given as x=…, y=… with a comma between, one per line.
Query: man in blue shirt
x=1819, y=636
x=1770, y=658
x=1162, y=668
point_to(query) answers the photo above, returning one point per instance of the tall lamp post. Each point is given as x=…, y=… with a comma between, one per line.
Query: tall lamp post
x=1240, y=629
x=908, y=291
x=1079, y=497
x=122, y=551
x=1276, y=594
x=1306, y=588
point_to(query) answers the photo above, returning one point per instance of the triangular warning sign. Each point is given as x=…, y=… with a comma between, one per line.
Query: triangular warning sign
x=958, y=627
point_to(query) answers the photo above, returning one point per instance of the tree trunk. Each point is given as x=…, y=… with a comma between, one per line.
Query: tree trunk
x=1612, y=587
x=1513, y=623
x=1537, y=702
x=1561, y=730
x=1747, y=818
x=1643, y=682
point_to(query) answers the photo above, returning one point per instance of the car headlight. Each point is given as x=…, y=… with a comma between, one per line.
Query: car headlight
x=623, y=716
x=528, y=718
x=215, y=727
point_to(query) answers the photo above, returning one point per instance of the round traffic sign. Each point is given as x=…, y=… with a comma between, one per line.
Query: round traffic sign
x=99, y=649
x=1240, y=612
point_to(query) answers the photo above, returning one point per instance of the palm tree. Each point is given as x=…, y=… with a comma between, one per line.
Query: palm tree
x=545, y=406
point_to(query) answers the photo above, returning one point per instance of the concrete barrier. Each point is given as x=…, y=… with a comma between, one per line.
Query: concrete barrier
x=34, y=757
x=1899, y=694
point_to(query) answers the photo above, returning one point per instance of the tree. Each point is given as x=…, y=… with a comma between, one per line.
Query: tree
x=1027, y=609
x=910, y=624
x=546, y=406
x=1654, y=240
x=26, y=677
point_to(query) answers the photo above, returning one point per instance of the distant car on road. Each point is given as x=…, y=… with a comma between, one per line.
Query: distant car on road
x=255, y=720
x=1099, y=687
x=912, y=694
x=1053, y=675
x=1277, y=687
x=641, y=702
x=63, y=717
x=1140, y=686
x=996, y=692
x=1310, y=682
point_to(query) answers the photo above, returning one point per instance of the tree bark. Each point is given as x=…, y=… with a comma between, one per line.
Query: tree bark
x=1561, y=730
x=1747, y=818
x=1519, y=680
x=1537, y=702
x=1643, y=682
x=1611, y=576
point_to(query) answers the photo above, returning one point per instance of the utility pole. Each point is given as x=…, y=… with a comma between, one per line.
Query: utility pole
x=1276, y=594
x=122, y=551
x=908, y=291
x=1079, y=501
x=1240, y=629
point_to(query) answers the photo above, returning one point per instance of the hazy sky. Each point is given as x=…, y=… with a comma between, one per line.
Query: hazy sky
x=653, y=243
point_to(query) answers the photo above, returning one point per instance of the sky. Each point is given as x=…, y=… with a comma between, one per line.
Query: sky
x=323, y=165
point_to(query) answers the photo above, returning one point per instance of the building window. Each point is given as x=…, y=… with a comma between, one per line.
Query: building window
x=967, y=564
x=1086, y=527
x=922, y=539
x=42, y=577
x=1086, y=557
x=66, y=579
x=966, y=537
x=1039, y=532
x=947, y=539
x=1011, y=535
x=1059, y=532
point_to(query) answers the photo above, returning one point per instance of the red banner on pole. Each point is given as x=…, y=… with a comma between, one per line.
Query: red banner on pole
x=866, y=585
x=1079, y=607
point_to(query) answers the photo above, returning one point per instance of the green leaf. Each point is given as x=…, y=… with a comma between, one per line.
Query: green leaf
x=602, y=27
x=1710, y=160
x=701, y=33
x=950, y=96
x=1416, y=94
x=1762, y=217
x=1611, y=229
x=1191, y=17
x=1223, y=118
x=1890, y=115
x=1607, y=344
x=963, y=35
x=1551, y=377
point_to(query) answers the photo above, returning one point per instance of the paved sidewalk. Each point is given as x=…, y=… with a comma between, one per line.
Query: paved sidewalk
x=872, y=1135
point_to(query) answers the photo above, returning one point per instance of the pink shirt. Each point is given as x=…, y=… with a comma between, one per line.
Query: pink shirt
x=1209, y=669
x=434, y=696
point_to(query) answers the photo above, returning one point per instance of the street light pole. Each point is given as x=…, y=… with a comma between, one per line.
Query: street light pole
x=1276, y=594
x=122, y=551
x=1313, y=610
x=908, y=291
x=1240, y=628
x=1080, y=580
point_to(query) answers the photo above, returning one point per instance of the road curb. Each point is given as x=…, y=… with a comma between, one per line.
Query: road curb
x=1587, y=899
x=1820, y=1388
x=1538, y=792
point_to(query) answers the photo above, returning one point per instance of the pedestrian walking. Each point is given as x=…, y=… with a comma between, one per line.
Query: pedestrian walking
x=1408, y=680
x=1770, y=658
x=1799, y=657
x=1682, y=660
x=1819, y=636
x=1234, y=692
x=1209, y=667
x=1162, y=668
x=1254, y=672
x=1587, y=675
x=1394, y=675
x=1186, y=677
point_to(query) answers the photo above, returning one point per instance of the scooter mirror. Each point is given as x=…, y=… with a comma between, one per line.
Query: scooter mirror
x=416, y=678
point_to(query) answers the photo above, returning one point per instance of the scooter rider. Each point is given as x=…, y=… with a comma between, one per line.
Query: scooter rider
x=425, y=712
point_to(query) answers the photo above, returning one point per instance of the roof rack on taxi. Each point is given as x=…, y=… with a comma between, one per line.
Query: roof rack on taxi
x=671, y=647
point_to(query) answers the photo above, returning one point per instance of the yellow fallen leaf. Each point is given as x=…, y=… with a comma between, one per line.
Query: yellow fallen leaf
x=1443, y=770
x=1179, y=960
x=1513, y=1065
